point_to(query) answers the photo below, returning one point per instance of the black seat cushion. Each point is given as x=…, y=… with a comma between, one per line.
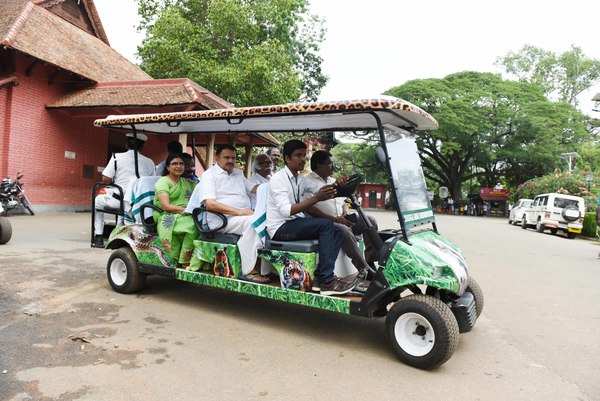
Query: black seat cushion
x=221, y=238
x=110, y=210
x=310, y=245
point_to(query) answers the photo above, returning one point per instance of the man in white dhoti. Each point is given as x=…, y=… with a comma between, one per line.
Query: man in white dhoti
x=224, y=189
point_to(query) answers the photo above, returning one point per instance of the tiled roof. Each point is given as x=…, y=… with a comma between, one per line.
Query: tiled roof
x=157, y=92
x=33, y=30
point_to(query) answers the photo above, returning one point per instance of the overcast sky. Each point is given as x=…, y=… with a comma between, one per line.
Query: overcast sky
x=373, y=45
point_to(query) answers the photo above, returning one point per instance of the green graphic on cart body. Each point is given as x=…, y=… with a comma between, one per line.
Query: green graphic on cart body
x=266, y=291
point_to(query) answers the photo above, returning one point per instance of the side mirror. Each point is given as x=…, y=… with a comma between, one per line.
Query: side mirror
x=381, y=155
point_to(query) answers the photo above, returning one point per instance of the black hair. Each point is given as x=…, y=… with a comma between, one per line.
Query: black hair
x=170, y=158
x=292, y=145
x=186, y=157
x=134, y=143
x=221, y=148
x=174, y=147
x=319, y=157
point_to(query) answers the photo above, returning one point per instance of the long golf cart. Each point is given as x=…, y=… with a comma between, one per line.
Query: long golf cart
x=422, y=284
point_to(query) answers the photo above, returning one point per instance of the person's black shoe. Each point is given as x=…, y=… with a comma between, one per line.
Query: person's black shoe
x=98, y=241
x=337, y=286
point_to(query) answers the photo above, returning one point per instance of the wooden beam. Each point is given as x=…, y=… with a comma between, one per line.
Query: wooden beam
x=200, y=158
x=53, y=76
x=210, y=150
x=248, y=160
x=31, y=66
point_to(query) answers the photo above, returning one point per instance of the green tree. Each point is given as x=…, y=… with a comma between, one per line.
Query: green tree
x=563, y=75
x=250, y=52
x=359, y=159
x=490, y=128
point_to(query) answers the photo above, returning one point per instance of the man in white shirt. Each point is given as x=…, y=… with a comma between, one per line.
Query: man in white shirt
x=333, y=209
x=262, y=174
x=121, y=171
x=224, y=189
x=286, y=220
x=275, y=156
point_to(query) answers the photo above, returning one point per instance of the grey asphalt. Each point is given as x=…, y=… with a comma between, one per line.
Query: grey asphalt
x=65, y=335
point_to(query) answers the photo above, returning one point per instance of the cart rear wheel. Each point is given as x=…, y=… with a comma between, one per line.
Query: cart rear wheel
x=123, y=272
x=422, y=330
x=5, y=230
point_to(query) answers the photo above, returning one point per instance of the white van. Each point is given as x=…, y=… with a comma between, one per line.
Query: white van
x=556, y=212
x=518, y=211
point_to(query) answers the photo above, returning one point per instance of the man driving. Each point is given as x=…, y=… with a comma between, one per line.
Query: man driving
x=120, y=170
x=334, y=210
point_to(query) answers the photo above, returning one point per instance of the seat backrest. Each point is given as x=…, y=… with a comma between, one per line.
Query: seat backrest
x=259, y=218
x=139, y=193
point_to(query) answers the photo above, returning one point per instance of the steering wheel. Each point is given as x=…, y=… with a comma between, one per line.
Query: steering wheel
x=349, y=188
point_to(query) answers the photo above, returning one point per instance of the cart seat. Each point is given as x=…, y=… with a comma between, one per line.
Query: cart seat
x=110, y=210
x=221, y=238
x=306, y=246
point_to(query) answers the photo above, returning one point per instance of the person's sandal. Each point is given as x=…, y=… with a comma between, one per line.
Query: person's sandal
x=254, y=277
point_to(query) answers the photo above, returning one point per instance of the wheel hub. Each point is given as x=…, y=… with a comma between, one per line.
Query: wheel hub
x=118, y=272
x=414, y=334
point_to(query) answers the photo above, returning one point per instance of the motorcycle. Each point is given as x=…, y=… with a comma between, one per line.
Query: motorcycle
x=12, y=195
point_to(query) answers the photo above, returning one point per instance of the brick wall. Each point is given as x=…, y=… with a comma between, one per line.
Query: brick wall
x=39, y=137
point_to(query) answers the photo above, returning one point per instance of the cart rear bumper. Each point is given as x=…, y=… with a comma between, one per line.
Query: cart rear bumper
x=465, y=312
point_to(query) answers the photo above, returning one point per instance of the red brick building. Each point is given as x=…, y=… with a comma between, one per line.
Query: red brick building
x=372, y=195
x=58, y=74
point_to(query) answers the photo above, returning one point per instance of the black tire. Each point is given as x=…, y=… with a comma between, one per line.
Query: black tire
x=571, y=235
x=440, y=319
x=126, y=278
x=474, y=288
x=27, y=205
x=524, y=223
x=510, y=222
x=5, y=230
x=554, y=231
x=539, y=227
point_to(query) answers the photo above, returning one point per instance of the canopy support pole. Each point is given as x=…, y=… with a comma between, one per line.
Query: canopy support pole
x=210, y=150
x=183, y=141
x=248, y=159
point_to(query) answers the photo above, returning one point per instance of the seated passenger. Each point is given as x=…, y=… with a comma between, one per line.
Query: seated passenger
x=334, y=210
x=262, y=174
x=224, y=189
x=176, y=229
x=287, y=222
x=189, y=171
x=173, y=148
x=120, y=170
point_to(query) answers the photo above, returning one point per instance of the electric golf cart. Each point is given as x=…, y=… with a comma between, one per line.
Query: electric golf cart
x=421, y=284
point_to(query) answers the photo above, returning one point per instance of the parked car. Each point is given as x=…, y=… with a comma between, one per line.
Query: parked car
x=518, y=211
x=556, y=212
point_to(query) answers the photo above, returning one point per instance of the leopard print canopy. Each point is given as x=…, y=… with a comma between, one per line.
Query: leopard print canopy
x=420, y=119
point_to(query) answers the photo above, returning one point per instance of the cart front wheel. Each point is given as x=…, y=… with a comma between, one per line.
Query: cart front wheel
x=123, y=272
x=422, y=330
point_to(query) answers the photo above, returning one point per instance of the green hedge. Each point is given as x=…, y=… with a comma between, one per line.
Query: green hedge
x=589, y=225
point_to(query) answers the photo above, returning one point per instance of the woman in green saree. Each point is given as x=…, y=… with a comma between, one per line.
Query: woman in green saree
x=176, y=229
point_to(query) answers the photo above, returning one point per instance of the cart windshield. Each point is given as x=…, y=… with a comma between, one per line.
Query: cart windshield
x=408, y=179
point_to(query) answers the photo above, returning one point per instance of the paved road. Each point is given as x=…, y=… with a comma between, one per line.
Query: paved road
x=538, y=338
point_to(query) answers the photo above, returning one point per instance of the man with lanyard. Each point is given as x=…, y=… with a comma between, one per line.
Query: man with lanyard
x=121, y=171
x=224, y=189
x=287, y=222
x=333, y=209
